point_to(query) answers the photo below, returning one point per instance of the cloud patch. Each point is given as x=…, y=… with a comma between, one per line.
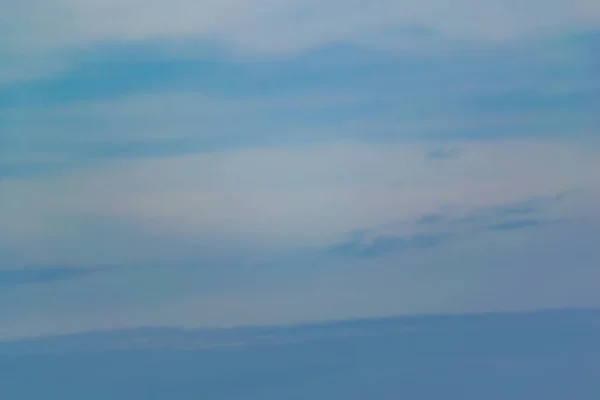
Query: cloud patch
x=433, y=229
x=277, y=198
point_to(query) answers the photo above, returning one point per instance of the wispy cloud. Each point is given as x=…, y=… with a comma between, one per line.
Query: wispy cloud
x=433, y=229
x=283, y=26
x=283, y=196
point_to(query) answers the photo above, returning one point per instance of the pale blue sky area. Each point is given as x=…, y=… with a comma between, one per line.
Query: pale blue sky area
x=226, y=163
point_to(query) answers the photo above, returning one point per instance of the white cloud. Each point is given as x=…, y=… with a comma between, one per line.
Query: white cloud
x=36, y=28
x=273, y=198
x=284, y=24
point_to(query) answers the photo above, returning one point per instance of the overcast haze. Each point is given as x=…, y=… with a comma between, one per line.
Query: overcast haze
x=226, y=163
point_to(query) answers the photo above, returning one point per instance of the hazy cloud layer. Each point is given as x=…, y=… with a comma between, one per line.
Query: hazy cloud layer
x=229, y=163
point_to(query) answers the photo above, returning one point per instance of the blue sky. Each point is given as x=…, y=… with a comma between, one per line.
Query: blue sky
x=224, y=163
x=548, y=355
